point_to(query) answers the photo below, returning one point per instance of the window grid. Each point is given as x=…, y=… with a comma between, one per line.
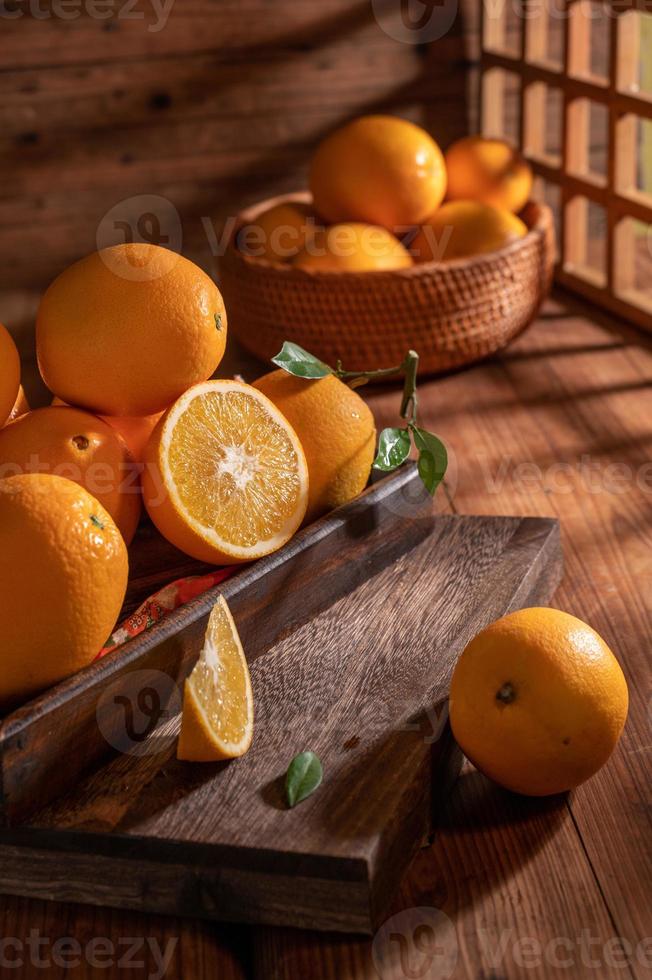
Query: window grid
x=581, y=191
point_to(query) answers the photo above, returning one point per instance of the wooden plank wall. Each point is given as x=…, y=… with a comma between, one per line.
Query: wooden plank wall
x=219, y=107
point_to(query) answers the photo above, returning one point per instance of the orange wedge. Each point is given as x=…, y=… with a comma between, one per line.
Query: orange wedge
x=225, y=477
x=218, y=704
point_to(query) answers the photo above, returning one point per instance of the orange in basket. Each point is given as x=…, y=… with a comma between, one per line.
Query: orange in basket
x=488, y=170
x=461, y=229
x=279, y=233
x=452, y=313
x=353, y=247
x=378, y=169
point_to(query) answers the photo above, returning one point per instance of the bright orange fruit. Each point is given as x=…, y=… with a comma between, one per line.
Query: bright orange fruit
x=63, y=578
x=134, y=429
x=380, y=170
x=74, y=444
x=488, y=170
x=218, y=703
x=353, y=247
x=538, y=701
x=337, y=432
x=278, y=233
x=225, y=476
x=127, y=330
x=461, y=229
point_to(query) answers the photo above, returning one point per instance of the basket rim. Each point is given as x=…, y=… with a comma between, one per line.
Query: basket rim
x=537, y=216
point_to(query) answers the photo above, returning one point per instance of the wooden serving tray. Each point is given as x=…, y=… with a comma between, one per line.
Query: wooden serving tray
x=363, y=683
x=46, y=745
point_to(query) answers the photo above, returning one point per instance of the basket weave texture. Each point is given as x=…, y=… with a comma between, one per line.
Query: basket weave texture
x=451, y=313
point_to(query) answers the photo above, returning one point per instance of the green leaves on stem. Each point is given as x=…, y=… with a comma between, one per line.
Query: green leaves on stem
x=395, y=444
x=297, y=361
x=433, y=458
x=394, y=448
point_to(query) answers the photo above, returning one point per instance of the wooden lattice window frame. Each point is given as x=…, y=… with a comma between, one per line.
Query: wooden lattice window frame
x=523, y=54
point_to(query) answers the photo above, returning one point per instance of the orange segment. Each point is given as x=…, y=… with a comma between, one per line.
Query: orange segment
x=225, y=476
x=218, y=705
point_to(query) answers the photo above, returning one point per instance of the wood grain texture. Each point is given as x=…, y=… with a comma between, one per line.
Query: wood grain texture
x=503, y=867
x=575, y=389
x=219, y=108
x=364, y=685
x=270, y=598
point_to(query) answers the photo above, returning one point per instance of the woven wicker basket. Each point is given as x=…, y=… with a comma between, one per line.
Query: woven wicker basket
x=451, y=313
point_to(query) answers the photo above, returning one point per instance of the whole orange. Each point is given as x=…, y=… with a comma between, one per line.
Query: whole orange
x=74, y=444
x=126, y=330
x=337, y=432
x=538, y=701
x=353, y=247
x=464, y=228
x=9, y=374
x=63, y=578
x=278, y=233
x=134, y=429
x=378, y=169
x=488, y=170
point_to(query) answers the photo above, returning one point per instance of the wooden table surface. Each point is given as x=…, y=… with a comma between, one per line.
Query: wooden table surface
x=559, y=425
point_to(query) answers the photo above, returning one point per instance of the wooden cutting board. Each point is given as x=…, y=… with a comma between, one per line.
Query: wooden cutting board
x=364, y=684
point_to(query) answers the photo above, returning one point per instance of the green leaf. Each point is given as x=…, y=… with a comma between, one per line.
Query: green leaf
x=393, y=449
x=433, y=458
x=303, y=777
x=297, y=361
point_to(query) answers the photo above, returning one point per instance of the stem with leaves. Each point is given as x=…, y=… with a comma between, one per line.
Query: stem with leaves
x=394, y=444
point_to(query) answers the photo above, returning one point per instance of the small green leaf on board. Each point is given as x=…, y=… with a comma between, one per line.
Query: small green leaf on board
x=303, y=777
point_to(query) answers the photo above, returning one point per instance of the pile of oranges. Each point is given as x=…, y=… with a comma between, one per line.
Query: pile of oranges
x=384, y=196
x=127, y=340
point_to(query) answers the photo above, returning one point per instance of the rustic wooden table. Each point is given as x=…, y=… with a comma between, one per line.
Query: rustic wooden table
x=559, y=425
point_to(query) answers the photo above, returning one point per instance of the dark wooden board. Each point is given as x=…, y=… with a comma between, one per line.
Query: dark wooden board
x=363, y=684
x=270, y=598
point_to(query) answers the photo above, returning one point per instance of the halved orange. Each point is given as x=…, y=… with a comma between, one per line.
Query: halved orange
x=218, y=703
x=225, y=477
